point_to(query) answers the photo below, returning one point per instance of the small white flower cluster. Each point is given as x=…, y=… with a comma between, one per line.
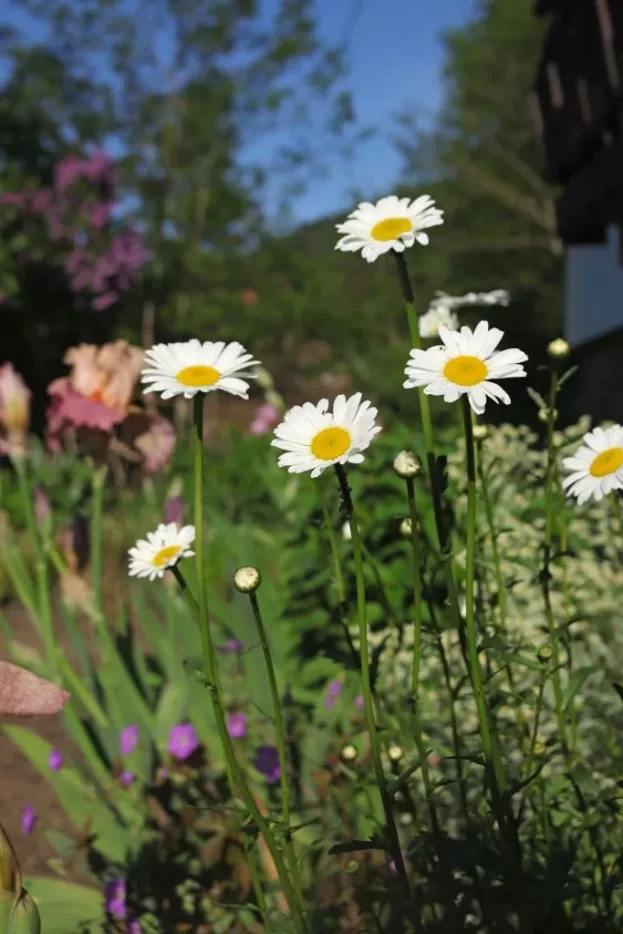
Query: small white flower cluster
x=441, y=310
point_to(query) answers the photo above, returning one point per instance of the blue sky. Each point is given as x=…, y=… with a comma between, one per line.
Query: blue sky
x=394, y=56
x=395, y=59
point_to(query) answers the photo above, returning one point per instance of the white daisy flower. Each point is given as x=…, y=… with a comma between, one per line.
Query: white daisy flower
x=315, y=438
x=189, y=367
x=596, y=467
x=465, y=364
x=391, y=224
x=163, y=548
x=436, y=316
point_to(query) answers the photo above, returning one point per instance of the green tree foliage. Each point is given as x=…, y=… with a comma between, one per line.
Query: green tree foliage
x=183, y=93
x=483, y=157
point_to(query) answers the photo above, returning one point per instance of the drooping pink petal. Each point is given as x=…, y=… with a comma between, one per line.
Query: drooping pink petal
x=24, y=694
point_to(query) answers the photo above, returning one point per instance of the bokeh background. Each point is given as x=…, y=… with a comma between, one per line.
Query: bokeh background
x=177, y=168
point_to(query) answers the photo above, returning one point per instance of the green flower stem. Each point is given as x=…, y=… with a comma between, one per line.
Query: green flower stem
x=257, y=885
x=286, y=785
x=457, y=744
x=545, y=574
x=444, y=540
x=499, y=579
x=99, y=478
x=417, y=593
x=44, y=603
x=415, y=673
x=472, y=640
x=339, y=577
x=213, y=679
x=392, y=831
x=535, y=734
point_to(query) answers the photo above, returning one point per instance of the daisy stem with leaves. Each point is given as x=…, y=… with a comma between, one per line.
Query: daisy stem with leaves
x=286, y=790
x=445, y=544
x=338, y=575
x=348, y=512
x=212, y=674
x=406, y=466
x=497, y=570
x=472, y=638
x=550, y=472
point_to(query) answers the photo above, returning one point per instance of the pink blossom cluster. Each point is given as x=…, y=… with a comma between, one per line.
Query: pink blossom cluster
x=75, y=210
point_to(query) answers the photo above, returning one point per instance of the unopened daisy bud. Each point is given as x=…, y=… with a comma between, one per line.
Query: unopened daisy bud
x=246, y=580
x=539, y=748
x=407, y=465
x=544, y=654
x=264, y=379
x=558, y=349
x=480, y=432
x=544, y=414
x=352, y=866
x=348, y=754
x=25, y=918
x=395, y=753
x=406, y=819
x=6, y=906
x=406, y=527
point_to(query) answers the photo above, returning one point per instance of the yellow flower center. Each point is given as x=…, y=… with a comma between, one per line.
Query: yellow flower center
x=330, y=443
x=163, y=556
x=391, y=228
x=465, y=371
x=609, y=461
x=198, y=376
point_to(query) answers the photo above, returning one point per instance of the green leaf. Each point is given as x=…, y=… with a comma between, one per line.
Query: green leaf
x=80, y=800
x=64, y=906
x=576, y=681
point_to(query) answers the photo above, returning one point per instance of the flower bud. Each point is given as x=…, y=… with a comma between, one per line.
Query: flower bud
x=544, y=654
x=395, y=753
x=539, y=748
x=406, y=527
x=544, y=414
x=480, y=432
x=407, y=465
x=346, y=532
x=246, y=580
x=25, y=918
x=349, y=754
x=558, y=349
x=264, y=379
x=352, y=866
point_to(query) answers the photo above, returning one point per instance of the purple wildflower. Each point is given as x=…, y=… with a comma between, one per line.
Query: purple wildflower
x=237, y=725
x=55, y=760
x=267, y=762
x=128, y=739
x=183, y=740
x=231, y=647
x=333, y=690
x=126, y=778
x=359, y=701
x=115, y=895
x=29, y=819
x=134, y=927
